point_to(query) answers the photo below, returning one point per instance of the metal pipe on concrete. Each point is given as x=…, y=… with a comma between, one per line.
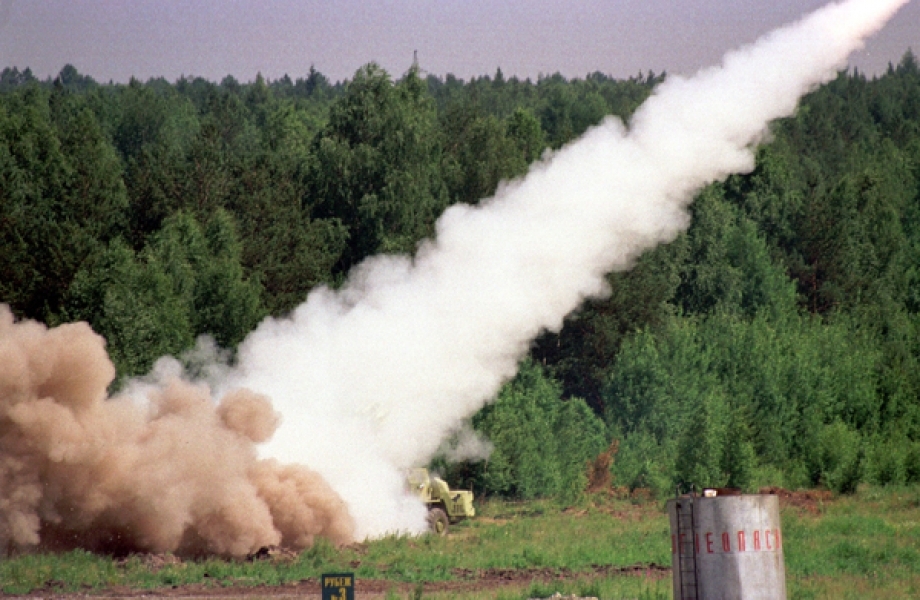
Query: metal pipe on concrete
x=727, y=546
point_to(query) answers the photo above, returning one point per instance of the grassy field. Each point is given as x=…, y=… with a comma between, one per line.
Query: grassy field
x=861, y=546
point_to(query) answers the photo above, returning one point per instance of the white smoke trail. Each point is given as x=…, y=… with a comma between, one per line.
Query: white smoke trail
x=372, y=378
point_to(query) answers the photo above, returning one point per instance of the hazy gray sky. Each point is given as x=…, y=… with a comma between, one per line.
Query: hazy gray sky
x=117, y=39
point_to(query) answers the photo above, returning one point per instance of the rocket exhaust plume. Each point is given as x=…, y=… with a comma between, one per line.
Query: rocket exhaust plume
x=371, y=378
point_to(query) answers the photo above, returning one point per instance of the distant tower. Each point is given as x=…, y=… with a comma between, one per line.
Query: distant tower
x=415, y=68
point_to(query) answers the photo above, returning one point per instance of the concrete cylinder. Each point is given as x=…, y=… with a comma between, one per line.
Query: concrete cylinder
x=727, y=547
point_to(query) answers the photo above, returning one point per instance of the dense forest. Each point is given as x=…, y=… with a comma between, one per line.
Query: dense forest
x=774, y=343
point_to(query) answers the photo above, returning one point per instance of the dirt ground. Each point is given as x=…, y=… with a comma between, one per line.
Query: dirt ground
x=811, y=501
x=467, y=581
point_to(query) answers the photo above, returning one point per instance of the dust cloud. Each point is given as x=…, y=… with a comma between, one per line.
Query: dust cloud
x=173, y=471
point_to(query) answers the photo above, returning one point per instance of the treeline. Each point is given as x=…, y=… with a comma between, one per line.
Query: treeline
x=775, y=342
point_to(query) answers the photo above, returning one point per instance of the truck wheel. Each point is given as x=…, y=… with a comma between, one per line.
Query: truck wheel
x=438, y=521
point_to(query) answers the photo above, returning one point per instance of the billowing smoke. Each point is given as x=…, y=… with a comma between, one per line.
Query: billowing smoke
x=466, y=444
x=173, y=472
x=372, y=378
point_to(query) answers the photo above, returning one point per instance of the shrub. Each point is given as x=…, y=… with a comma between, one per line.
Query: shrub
x=839, y=457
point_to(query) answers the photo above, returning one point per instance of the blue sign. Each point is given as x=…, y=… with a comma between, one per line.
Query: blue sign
x=338, y=586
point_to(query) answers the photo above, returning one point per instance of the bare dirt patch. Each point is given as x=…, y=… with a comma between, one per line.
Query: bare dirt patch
x=467, y=580
x=812, y=501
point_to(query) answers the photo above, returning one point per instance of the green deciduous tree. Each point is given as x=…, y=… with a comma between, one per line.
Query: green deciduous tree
x=542, y=443
x=580, y=355
x=375, y=165
x=186, y=282
x=480, y=152
x=153, y=129
x=61, y=196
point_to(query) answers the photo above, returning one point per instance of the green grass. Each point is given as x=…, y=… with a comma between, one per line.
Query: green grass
x=531, y=535
x=861, y=546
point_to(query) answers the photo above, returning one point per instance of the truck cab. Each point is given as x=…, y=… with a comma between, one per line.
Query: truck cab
x=445, y=506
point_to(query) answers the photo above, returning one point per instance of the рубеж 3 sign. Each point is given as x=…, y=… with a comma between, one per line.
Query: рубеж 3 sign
x=338, y=586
